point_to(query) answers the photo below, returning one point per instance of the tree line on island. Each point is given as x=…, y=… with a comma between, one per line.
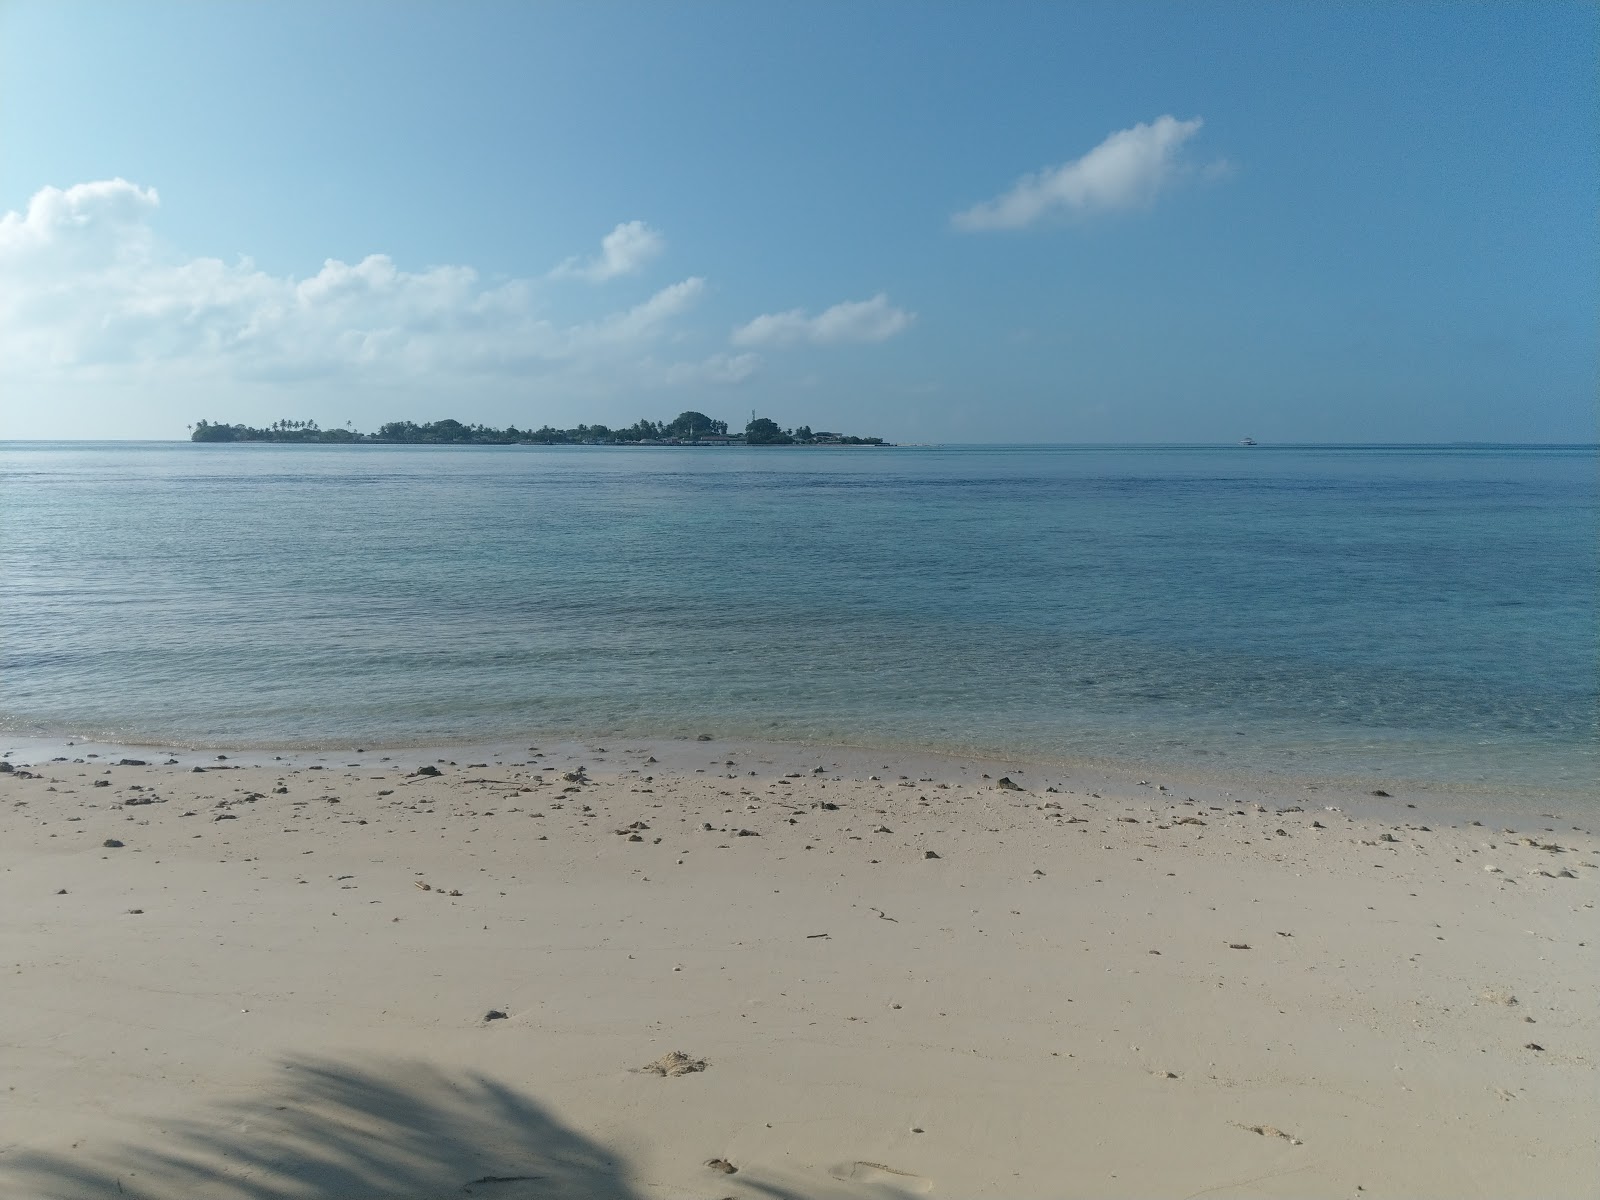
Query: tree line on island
x=687, y=429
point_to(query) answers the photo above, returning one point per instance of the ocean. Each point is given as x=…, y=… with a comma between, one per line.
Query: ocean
x=1425, y=614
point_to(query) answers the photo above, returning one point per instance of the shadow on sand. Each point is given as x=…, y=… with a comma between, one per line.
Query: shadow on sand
x=363, y=1131
x=333, y=1129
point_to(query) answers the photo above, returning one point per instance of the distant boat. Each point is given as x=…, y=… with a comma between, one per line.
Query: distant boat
x=1247, y=441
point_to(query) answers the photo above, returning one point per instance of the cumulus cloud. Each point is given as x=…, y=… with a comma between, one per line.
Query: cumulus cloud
x=1125, y=170
x=623, y=251
x=874, y=320
x=88, y=292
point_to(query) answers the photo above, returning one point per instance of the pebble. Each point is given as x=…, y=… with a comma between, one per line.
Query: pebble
x=675, y=1063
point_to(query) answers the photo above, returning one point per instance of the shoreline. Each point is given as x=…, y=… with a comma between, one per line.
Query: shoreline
x=1456, y=800
x=276, y=977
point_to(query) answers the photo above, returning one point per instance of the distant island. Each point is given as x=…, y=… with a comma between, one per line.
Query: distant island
x=688, y=429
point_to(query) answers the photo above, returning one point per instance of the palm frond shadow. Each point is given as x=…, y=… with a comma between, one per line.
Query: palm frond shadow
x=374, y=1130
x=399, y=1131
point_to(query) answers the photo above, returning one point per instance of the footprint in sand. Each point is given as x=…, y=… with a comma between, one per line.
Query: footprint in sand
x=871, y=1172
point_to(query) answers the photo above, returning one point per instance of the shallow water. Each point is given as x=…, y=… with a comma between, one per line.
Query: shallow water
x=1409, y=612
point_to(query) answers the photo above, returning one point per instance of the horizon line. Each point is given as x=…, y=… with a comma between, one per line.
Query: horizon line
x=1456, y=443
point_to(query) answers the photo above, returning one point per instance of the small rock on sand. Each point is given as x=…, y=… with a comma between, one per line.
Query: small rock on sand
x=112, y=844
x=1272, y=1131
x=676, y=1063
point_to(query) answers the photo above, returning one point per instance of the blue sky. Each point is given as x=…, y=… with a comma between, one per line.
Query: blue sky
x=942, y=222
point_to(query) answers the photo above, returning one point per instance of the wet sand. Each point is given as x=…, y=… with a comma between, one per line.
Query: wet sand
x=885, y=975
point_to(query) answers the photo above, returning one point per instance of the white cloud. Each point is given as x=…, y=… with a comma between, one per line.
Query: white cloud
x=1125, y=170
x=717, y=368
x=106, y=217
x=873, y=320
x=88, y=293
x=637, y=322
x=622, y=252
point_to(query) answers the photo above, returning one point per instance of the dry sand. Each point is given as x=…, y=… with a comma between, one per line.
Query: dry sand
x=726, y=973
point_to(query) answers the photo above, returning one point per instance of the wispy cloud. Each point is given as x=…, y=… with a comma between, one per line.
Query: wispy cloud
x=624, y=250
x=716, y=368
x=873, y=320
x=88, y=292
x=1127, y=169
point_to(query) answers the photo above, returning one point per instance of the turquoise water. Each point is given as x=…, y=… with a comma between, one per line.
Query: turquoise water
x=1417, y=613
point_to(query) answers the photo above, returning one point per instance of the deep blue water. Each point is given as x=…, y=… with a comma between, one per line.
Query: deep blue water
x=1406, y=612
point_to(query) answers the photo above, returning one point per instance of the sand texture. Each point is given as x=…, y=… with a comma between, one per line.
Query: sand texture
x=711, y=970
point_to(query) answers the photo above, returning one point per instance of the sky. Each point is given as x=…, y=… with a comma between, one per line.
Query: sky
x=978, y=222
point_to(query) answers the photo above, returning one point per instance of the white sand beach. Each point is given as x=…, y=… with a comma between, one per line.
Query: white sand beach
x=887, y=977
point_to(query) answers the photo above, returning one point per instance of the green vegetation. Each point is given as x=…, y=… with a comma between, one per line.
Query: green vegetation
x=762, y=432
x=687, y=429
x=278, y=431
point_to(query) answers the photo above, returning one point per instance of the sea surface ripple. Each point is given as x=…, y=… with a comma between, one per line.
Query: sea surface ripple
x=1425, y=613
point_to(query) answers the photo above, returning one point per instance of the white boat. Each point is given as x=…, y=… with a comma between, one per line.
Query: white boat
x=1247, y=441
